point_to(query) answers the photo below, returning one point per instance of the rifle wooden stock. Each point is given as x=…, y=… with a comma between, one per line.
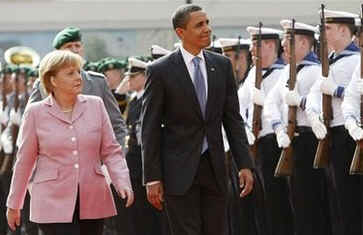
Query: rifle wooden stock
x=256, y=127
x=322, y=154
x=257, y=109
x=356, y=167
x=285, y=164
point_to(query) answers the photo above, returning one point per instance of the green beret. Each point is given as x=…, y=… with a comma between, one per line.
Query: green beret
x=90, y=66
x=7, y=69
x=22, y=69
x=34, y=72
x=69, y=34
x=111, y=63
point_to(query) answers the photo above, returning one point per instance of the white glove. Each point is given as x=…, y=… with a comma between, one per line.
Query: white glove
x=293, y=98
x=4, y=117
x=7, y=142
x=317, y=126
x=250, y=136
x=15, y=117
x=258, y=96
x=354, y=130
x=327, y=86
x=283, y=140
x=360, y=86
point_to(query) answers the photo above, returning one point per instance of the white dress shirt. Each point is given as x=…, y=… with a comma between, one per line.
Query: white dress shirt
x=190, y=66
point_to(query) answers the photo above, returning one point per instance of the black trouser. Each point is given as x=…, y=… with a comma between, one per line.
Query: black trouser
x=119, y=224
x=144, y=218
x=76, y=227
x=278, y=207
x=348, y=187
x=3, y=223
x=308, y=188
x=244, y=215
x=202, y=210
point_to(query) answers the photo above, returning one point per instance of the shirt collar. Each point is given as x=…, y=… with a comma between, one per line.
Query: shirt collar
x=139, y=94
x=189, y=57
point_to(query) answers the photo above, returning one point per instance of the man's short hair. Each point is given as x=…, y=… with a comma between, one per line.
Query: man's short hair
x=181, y=15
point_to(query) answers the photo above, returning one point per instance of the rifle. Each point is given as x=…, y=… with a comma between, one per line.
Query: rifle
x=323, y=151
x=257, y=109
x=286, y=162
x=356, y=166
x=236, y=57
x=15, y=128
x=3, y=94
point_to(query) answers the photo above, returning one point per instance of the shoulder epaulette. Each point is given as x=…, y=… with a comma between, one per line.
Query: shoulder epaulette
x=96, y=74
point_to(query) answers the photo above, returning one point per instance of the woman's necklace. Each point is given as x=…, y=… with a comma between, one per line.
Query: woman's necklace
x=67, y=110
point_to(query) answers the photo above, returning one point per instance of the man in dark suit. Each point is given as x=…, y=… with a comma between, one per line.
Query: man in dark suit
x=188, y=95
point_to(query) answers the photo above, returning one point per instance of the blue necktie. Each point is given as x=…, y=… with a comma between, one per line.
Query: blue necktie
x=200, y=89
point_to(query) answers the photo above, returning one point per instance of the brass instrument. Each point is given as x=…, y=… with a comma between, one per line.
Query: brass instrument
x=22, y=56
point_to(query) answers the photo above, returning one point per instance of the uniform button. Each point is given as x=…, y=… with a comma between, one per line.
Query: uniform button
x=76, y=166
x=75, y=152
x=73, y=139
x=70, y=127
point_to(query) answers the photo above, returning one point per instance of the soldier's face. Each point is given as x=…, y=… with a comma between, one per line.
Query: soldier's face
x=8, y=83
x=75, y=47
x=197, y=32
x=19, y=82
x=113, y=77
x=136, y=82
x=333, y=34
x=232, y=56
x=67, y=81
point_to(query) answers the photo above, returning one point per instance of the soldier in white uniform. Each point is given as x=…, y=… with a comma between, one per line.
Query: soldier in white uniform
x=237, y=50
x=344, y=58
x=244, y=215
x=278, y=209
x=311, y=214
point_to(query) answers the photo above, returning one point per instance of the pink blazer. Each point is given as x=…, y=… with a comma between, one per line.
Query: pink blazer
x=67, y=155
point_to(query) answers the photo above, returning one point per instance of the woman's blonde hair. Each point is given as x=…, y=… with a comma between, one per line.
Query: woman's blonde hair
x=53, y=62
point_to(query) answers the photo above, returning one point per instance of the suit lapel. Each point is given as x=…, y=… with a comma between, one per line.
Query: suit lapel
x=79, y=108
x=56, y=112
x=212, y=82
x=185, y=81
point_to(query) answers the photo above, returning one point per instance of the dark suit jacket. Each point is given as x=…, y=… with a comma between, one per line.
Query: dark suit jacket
x=93, y=84
x=173, y=126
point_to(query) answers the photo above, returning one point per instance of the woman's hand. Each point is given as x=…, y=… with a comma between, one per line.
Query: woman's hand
x=127, y=193
x=13, y=216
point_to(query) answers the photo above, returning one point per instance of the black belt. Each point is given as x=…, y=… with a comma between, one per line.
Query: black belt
x=338, y=129
x=303, y=129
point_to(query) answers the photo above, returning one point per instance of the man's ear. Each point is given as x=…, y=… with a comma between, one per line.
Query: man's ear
x=180, y=33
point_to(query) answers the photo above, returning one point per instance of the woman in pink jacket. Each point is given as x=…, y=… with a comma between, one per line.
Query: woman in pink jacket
x=64, y=139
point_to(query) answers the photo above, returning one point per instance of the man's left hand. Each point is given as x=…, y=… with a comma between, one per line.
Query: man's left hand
x=245, y=181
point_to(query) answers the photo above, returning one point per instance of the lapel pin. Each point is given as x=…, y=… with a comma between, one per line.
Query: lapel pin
x=212, y=69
